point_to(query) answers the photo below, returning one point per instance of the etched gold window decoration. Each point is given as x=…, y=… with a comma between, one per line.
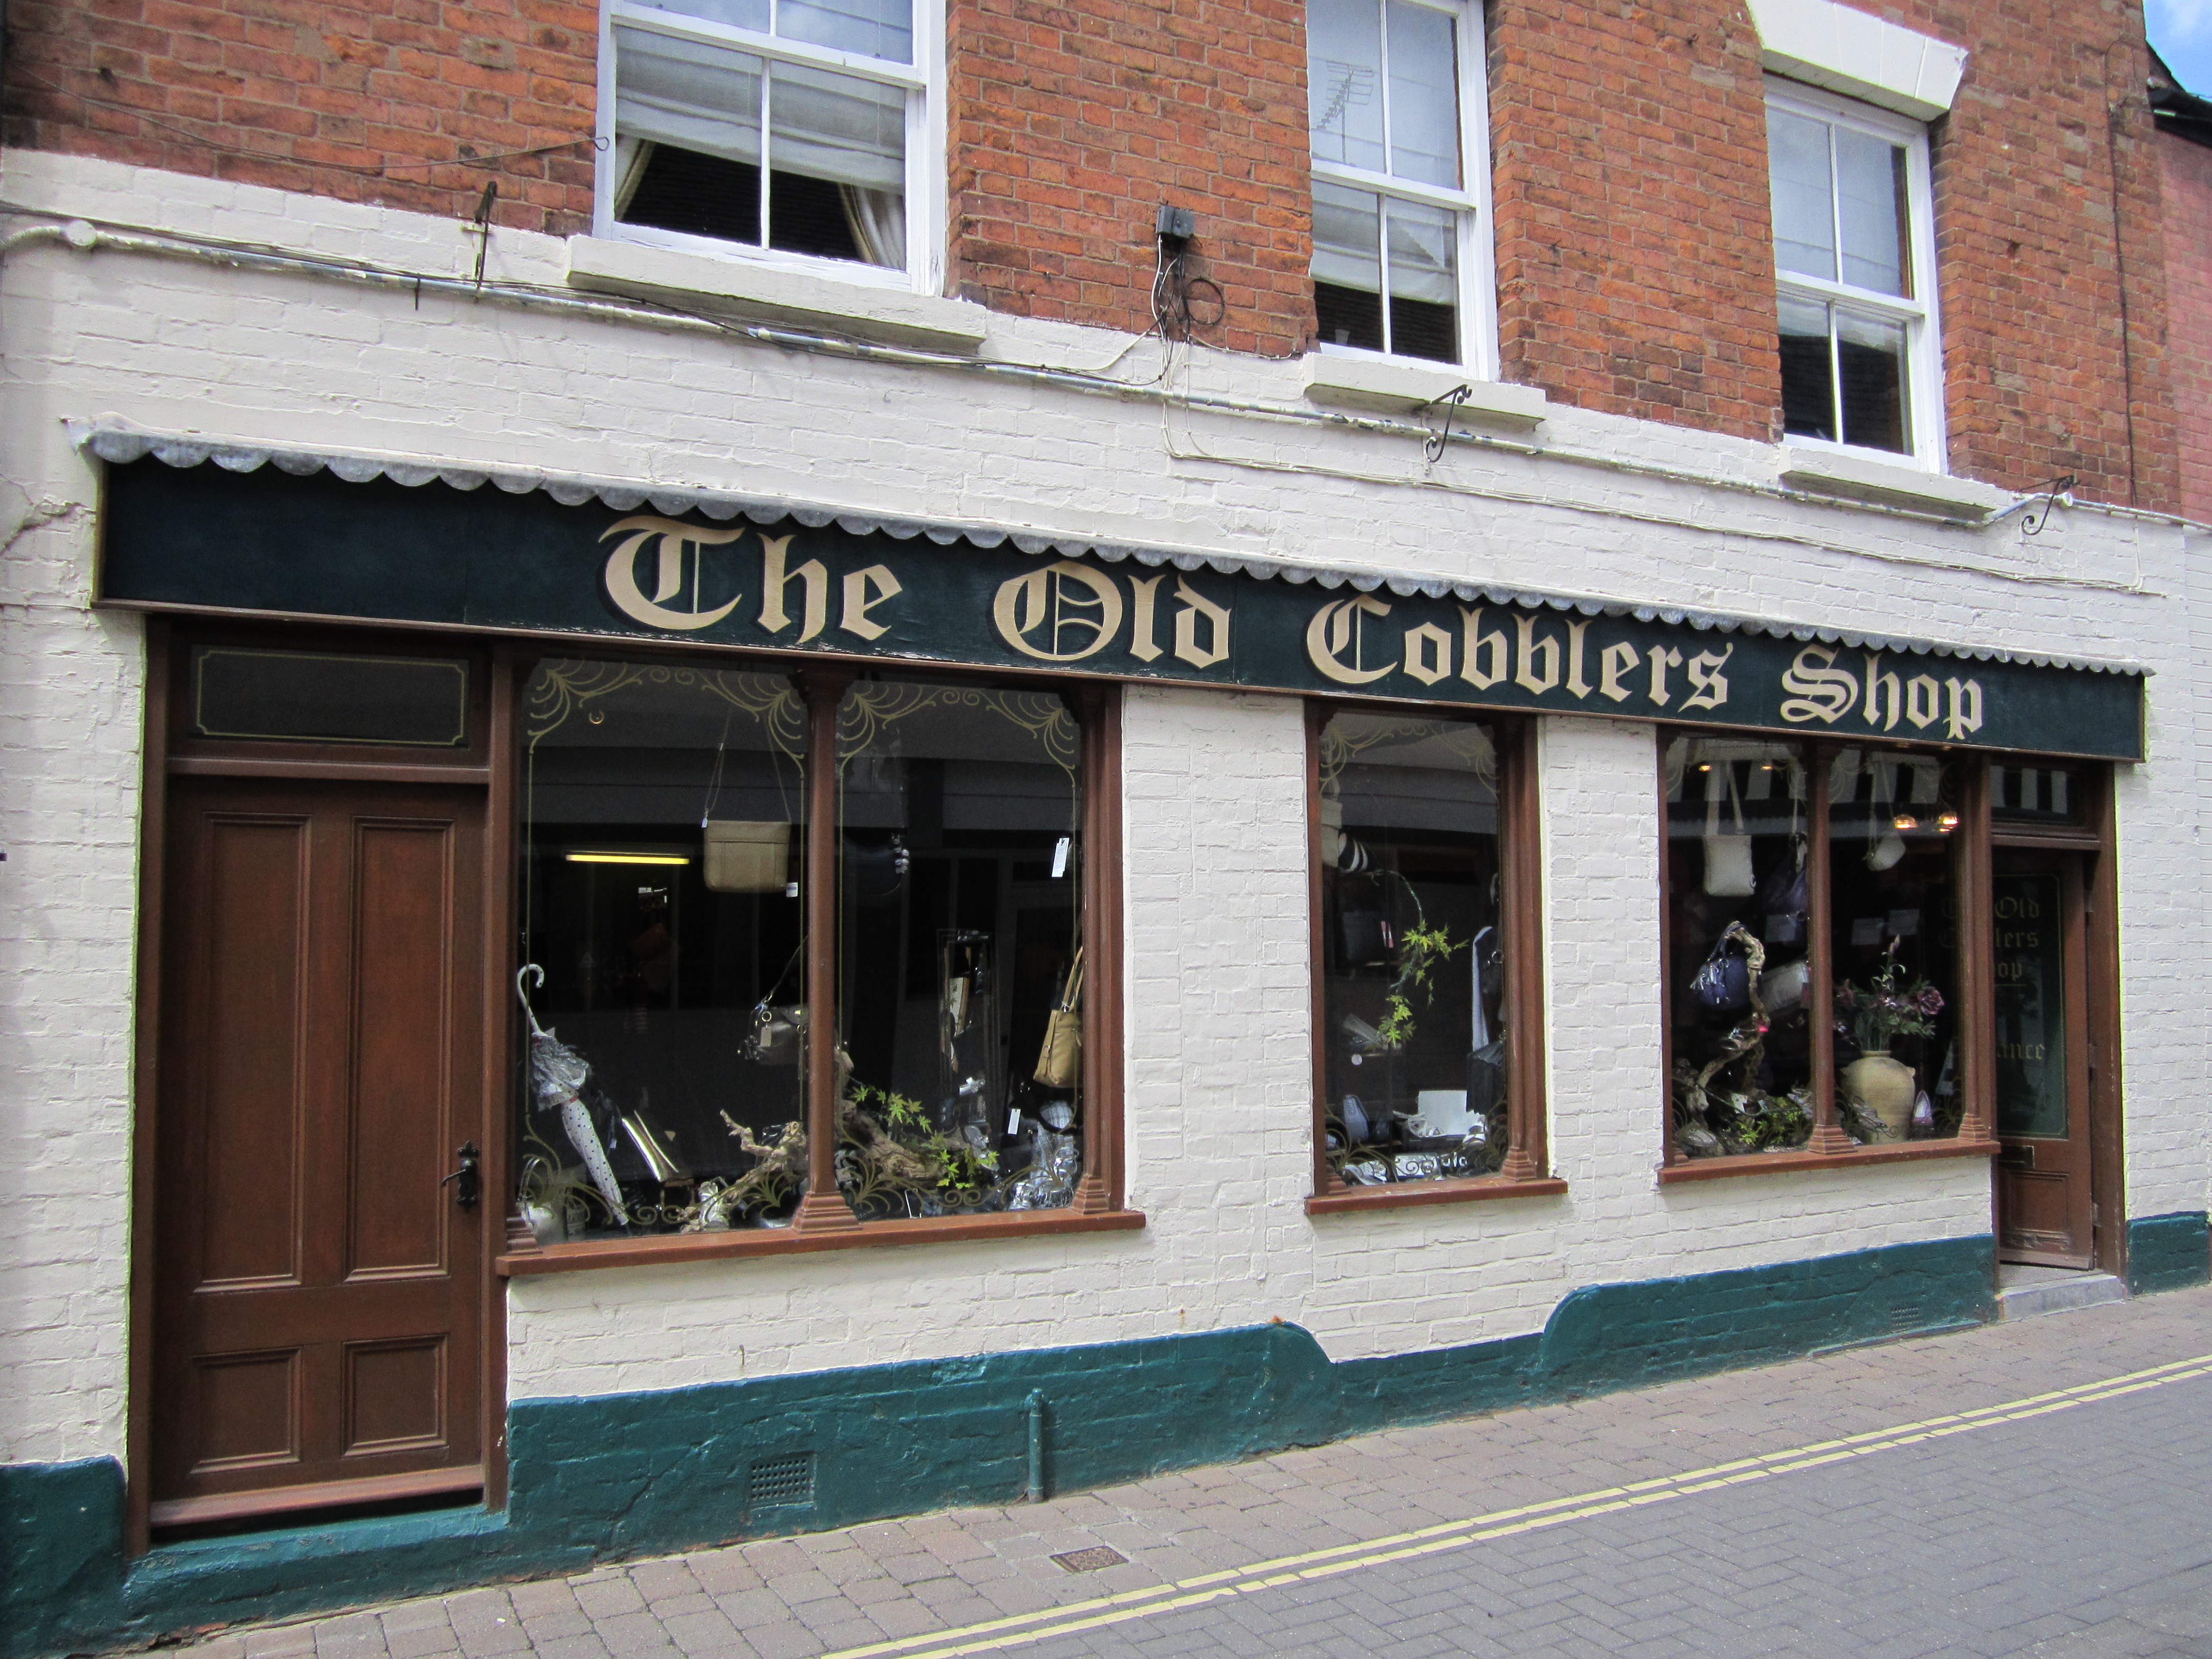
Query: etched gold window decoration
x=960, y=950
x=671, y=872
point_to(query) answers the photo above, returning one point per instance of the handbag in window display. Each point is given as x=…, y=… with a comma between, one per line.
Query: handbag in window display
x=1741, y=1043
x=1412, y=963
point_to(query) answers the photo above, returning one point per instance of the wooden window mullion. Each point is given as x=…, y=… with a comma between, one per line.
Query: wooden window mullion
x=823, y=1209
x=1828, y=1134
x=1520, y=841
x=1974, y=883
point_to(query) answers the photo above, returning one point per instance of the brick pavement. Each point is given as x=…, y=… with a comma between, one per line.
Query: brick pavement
x=2079, y=1535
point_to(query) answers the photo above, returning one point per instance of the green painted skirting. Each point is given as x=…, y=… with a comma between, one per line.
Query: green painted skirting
x=2165, y=1252
x=626, y=1474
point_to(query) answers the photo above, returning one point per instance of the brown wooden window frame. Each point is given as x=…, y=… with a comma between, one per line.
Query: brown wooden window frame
x=1526, y=1172
x=824, y=1221
x=1830, y=1147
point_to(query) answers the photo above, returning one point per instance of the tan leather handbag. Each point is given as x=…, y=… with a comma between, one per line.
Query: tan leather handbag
x=1060, y=1062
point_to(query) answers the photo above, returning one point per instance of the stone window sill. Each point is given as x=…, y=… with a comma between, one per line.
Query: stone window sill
x=775, y=294
x=1849, y=477
x=1377, y=386
x=1751, y=1164
x=1412, y=1194
x=782, y=1241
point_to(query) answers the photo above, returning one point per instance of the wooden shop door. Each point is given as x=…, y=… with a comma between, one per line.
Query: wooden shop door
x=2043, y=1209
x=318, y=1282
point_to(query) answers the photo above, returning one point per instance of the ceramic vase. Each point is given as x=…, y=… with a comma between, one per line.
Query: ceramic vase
x=1884, y=1088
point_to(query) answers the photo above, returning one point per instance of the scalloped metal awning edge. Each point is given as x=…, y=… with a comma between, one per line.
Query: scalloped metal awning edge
x=112, y=439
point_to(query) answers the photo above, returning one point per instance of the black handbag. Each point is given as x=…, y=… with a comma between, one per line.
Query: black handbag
x=1722, y=984
x=1785, y=898
x=1364, y=937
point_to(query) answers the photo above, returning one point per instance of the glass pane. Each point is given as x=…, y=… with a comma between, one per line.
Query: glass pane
x=674, y=188
x=661, y=830
x=1739, y=926
x=1415, y=972
x=1344, y=82
x=738, y=14
x=1893, y=930
x=1870, y=189
x=298, y=696
x=837, y=127
x=1804, y=208
x=960, y=918
x=1424, y=95
x=2038, y=795
x=1423, y=281
x=699, y=97
x=869, y=28
x=2031, y=1006
x=1870, y=363
x=1347, y=265
x=1808, y=382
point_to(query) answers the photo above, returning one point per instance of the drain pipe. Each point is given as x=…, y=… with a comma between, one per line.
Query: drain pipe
x=1036, y=1448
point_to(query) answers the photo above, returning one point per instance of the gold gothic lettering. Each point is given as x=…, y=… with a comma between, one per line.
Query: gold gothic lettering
x=1055, y=599
x=1818, y=689
x=1334, y=630
x=676, y=539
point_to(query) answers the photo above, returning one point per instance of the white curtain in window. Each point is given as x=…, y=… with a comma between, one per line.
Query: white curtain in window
x=689, y=94
x=1424, y=95
x=877, y=221
x=1347, y=238
x=837, y=127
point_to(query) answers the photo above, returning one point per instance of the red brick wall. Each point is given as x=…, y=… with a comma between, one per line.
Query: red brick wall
x=2035, y=371
x=2188, y=184
x=1635, y=267
x=394, y=101
x=1070, y=124
x=1635, y=273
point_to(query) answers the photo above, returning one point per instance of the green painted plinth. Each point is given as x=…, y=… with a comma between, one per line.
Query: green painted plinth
x=614, y=1475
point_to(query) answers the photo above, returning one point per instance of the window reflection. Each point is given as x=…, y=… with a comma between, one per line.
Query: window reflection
x=661, y=809
x=1893, y=944
x=1413, y=950
x=1737, y=835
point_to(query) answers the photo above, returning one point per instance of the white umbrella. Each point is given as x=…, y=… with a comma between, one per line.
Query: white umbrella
x=557, y=1076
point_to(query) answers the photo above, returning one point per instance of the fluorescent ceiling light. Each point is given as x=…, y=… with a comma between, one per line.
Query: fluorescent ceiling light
x=626, y=857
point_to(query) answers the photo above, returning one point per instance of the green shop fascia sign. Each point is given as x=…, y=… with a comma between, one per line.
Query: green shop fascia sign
x=268, y=541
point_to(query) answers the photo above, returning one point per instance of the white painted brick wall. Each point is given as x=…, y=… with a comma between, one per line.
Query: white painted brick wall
x=1217, y=975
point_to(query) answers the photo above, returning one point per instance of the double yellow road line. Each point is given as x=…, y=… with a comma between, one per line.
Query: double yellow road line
x=1017, y=1629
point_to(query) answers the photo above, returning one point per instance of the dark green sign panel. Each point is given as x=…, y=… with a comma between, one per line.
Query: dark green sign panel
x=269, y=542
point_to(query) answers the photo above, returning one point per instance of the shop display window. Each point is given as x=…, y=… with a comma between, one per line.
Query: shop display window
x=1738, y=833
x=1814, y=946
x=675, y=945
x=1413, y=952
x=1893, y=944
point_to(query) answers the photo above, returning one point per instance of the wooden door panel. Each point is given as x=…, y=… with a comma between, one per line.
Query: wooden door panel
x=249, y=1406
x=395, y=1394
x=246, y=1076
x=401, y=1142
x=318, y=1291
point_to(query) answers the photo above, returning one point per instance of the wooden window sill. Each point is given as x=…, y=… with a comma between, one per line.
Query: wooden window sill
x=1407, y=1194
x=782, y=1241
x=1715, y=1169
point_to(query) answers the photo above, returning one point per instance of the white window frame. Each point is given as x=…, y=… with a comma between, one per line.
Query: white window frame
x=1920, y=313
x=923, y=81
x=1476, y=250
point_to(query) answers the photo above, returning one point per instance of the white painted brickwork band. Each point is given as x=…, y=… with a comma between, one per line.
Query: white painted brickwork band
x=1217, y=976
